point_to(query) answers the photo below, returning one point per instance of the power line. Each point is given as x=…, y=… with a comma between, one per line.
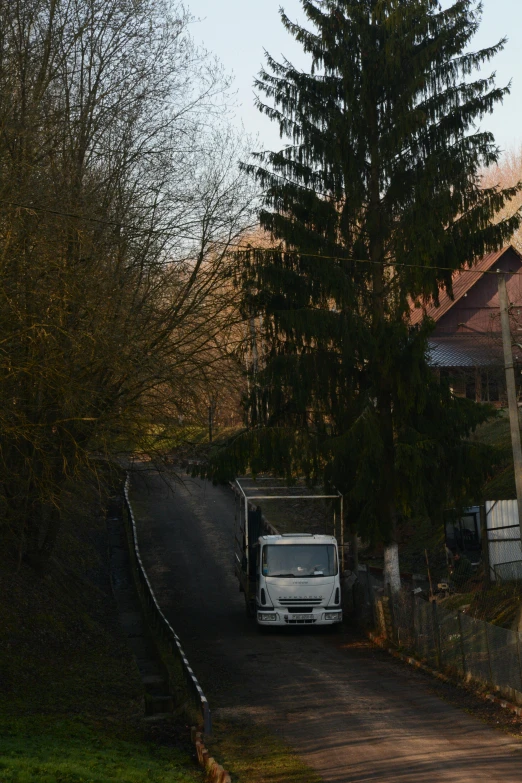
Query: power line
x=389, y=264
x=90, y=219
x=75, y=216
x=250, y=248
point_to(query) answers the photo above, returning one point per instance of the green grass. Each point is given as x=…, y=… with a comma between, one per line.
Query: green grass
x=46, y=749
x=253, y=754
x=187, y=441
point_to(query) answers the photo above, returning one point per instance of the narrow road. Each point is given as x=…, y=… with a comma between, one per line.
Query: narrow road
x=350, y=711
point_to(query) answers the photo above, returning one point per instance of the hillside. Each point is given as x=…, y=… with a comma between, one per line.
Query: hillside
x=71, y=701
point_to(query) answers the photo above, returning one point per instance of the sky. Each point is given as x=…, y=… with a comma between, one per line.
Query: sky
x=238, y=32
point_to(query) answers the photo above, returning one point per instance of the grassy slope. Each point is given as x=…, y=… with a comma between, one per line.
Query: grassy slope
x=186, y=442
x=68, y=750
x=501, y=485
x=499, y=604
x=71, y=701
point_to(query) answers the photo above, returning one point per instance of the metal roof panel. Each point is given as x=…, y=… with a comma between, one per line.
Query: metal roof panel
x=465, y=350
x=462, y=282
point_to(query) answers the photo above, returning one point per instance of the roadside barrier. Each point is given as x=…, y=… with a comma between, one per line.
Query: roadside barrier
x=215, y=772
x=159, y=622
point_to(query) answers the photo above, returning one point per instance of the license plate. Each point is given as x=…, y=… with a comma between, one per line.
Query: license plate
x=301, y=616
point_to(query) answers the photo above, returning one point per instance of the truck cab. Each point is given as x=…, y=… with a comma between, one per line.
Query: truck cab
x=297, y=580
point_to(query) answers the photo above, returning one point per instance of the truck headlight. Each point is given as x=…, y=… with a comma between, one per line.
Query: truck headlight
x=267, y=617
x=332, y=616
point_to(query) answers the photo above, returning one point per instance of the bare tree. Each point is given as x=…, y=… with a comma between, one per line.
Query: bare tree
x=506, y=175
x=119, y=198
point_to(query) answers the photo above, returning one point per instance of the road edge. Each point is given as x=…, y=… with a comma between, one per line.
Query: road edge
x=412, y=661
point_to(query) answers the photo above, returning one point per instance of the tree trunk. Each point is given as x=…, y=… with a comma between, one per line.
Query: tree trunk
x=392, y=575
x=391, y=550
x=386, y=427
x=384, y=396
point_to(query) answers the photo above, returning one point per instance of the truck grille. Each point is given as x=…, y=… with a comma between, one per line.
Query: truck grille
x=297, y=602
x=294, y=621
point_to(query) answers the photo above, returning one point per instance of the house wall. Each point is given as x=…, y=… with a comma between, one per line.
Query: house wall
x=479, y=309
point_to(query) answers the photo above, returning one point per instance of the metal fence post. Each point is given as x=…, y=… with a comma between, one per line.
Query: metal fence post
x=415, y=624
x=485, y=544
x=207, y=718
x=391, y=615
x=371, y=597
x=492, y=681
x=518, y=652
x=436, y=631
x=462, y=645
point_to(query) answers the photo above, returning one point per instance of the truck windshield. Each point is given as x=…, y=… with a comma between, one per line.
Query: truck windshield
x=310, y=560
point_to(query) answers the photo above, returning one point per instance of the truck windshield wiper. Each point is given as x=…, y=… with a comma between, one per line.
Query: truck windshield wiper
x=281, y=575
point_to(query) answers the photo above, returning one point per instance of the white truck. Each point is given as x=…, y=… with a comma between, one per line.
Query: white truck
x=287, y=578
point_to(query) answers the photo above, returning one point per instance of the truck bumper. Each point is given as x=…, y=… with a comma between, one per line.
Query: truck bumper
x=280, y=617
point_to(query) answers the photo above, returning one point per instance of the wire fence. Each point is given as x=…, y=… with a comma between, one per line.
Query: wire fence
x=508, y=572
x=445, y=639
x=167, y=638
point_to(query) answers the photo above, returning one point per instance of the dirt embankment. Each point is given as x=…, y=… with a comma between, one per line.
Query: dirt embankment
x=61, y=648
x=71, y=699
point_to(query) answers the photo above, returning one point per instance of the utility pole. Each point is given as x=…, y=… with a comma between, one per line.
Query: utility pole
x=511, y=392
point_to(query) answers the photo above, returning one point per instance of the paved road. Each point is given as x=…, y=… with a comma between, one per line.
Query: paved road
x=350, y=711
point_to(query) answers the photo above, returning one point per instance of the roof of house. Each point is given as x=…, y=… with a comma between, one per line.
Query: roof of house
x=465, y=350
x=462, y=282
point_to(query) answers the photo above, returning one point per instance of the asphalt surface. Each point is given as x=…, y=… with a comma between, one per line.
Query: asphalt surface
x=353, y=713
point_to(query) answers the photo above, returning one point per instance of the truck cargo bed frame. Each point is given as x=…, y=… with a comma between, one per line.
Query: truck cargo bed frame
x=245, y=506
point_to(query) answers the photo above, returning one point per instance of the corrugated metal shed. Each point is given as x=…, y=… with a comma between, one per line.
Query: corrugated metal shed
x=503, y=533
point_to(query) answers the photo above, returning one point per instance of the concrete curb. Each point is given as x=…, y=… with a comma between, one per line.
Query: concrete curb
x=379, y=642
x=215, y=772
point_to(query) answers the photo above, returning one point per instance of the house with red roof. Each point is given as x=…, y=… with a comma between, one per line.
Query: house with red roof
x=466, y=344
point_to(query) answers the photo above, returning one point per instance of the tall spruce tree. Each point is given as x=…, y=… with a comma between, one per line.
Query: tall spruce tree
x=373, y=205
